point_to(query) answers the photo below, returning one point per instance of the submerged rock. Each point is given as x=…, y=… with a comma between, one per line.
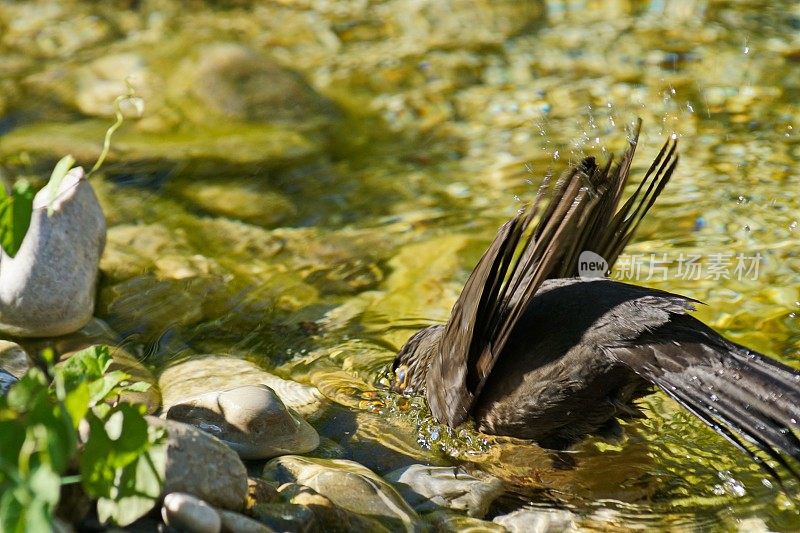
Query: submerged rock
x=207, y=373
x=234, y=81
x=445, y=522
x=185, y=512
x=244, y=199
x=250, y=419
x=48, y=288
x=261, y=491
x=429, y=487
x=348, y=485
x=329, y=517
x=286, y=517
x=538, y=520
x=201, y=465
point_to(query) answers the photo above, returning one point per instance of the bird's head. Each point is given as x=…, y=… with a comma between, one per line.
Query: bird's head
x=410, y=367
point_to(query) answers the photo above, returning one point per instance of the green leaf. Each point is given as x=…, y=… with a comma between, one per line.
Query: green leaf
x=30, y=505
x=77, y=403
x=121, y=463
x=108, y=386
x=137, y=386
x=48, y=356
x=115, y=441
x=22, y=394
x=87, y=364
x=15, y=216
x=139, y=488
x=61, y=169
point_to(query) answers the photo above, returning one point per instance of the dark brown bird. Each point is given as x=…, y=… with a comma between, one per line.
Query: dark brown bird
x=533, y=352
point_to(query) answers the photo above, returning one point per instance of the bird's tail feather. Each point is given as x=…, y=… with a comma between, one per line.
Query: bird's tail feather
x=739, y=393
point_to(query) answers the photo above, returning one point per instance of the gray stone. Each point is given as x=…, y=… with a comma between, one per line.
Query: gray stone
x=348, y=485
x=250, y=419
x=206, y=373
x=6, y=381
x=200, y=464
x=48, y=288
x=428, y=487
x=538, y=521
x=238, y=523
x=186, y=513
x=14, y=359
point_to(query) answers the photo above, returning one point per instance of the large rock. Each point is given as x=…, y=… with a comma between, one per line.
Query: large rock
x=201, y=465
x=250, y=419
x=348, y=485
x=48, y=288
x=428, y=487
x=207, y=373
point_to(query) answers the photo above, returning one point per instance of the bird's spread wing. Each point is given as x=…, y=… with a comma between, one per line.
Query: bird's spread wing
x=578, y=213
x=735, y=391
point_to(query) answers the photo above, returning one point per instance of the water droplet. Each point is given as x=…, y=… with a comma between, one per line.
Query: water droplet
x=737, y=488
x=746, y=227
x=714, y=398
x=556, y=155
x=742, y=199
x=793, y=225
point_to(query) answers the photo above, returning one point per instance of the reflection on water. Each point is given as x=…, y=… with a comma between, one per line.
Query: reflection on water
x=421, y=128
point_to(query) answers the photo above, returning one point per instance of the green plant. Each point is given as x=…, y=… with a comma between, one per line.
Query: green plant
x=16, y=207
x=15, y=215
x=67, y=426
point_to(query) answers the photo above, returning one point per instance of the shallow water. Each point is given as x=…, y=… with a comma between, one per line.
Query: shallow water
x=313, y=234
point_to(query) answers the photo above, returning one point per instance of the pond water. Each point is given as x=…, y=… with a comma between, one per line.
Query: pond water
x=313, y=181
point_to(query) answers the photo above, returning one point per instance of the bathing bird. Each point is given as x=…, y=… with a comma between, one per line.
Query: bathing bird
x=531, y=350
